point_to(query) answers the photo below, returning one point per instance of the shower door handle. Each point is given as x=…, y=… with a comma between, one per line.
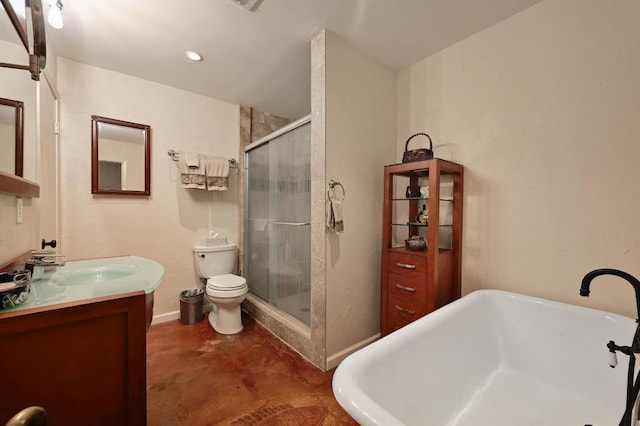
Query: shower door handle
x=276, y=222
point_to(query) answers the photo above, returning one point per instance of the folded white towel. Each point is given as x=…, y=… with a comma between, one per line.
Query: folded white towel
x=192, y=177
x=191, y=158
x=217, y=172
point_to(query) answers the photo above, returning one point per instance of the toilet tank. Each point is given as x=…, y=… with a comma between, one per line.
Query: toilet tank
x=215, y=260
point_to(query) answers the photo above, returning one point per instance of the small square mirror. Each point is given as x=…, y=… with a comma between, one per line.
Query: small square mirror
x=120, y=157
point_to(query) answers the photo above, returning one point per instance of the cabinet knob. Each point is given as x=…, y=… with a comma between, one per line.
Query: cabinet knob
x=405, y=288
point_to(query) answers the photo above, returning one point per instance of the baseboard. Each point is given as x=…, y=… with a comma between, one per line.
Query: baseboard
x=175, y=315
x=169, y=316
x=335, y=359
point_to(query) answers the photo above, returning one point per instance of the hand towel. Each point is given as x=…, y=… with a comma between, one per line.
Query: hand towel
x=335, y=220
x=192, y=177
x=217, y=172
x=192, y=159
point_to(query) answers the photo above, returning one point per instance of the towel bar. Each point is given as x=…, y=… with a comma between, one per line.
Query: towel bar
x=175, y=156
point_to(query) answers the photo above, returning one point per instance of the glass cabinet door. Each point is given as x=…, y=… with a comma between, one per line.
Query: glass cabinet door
x=410, y=209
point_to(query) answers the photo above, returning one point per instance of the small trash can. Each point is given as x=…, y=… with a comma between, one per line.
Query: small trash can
x=191, y=305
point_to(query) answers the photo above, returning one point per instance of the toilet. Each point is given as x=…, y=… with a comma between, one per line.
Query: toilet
x=225, y=290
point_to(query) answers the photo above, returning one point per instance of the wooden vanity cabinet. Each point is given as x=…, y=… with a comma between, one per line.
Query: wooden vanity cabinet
x=83, y=362
x=417, y=282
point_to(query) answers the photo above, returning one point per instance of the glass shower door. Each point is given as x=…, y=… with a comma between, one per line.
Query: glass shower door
x=278, y=215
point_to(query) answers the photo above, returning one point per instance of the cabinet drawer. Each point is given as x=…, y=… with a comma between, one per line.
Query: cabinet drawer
x=407, y=288
x=394, y=324
x=405, y=309
x=407, y=265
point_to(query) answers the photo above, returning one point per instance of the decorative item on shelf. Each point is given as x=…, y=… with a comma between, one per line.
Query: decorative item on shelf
x=413, y=191
x=416, y=242
x=419, y=154
x=423, y=215
x=424, y=191
x=14, y=288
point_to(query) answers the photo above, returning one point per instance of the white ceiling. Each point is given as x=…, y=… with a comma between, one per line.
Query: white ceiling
x=261, y=58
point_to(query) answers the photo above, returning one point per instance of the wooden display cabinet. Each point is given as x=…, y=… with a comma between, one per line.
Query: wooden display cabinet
x=417, y=282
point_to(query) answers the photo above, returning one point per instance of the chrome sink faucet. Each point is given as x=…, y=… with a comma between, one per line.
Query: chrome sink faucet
x=39, y=262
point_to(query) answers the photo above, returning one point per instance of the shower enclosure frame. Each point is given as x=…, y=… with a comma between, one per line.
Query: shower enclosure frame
x=302, y=337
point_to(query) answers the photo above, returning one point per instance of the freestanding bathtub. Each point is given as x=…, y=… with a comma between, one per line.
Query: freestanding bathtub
x=491, y=358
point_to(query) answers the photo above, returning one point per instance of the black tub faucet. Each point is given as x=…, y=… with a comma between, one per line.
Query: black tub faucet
x=633, y=388
x=586, y=282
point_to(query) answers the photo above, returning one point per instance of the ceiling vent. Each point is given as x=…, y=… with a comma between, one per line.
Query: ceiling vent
x=251, y=5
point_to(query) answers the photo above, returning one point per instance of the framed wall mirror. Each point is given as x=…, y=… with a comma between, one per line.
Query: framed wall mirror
x=11, y=136
x=120, y=157
x=21, y=32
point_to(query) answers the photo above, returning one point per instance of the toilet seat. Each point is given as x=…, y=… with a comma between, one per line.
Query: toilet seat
x=226, y=282
x=226, y=286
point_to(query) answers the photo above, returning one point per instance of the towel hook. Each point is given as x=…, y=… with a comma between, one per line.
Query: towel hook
x=332, y=186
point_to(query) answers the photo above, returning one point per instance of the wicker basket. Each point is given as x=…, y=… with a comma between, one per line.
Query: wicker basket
x=419, y=154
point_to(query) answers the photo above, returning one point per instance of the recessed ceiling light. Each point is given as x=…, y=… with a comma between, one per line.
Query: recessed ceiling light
x=194, y=56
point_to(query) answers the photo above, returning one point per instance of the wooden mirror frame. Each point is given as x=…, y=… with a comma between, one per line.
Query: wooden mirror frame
x=95, y=140
x=12, y=183
x=19, y=133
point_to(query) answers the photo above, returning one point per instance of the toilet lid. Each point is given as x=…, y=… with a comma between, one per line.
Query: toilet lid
x=226, y=282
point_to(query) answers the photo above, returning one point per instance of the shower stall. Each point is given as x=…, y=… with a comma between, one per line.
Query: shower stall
x=277, y=220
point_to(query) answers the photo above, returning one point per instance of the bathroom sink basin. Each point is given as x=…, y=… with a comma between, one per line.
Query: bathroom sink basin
x=92, y=275
x=80, y=280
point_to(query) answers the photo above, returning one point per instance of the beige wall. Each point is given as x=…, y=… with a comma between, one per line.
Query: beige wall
x=16, y=239
x=542, y=110
x=164, y=226
x=360, y=128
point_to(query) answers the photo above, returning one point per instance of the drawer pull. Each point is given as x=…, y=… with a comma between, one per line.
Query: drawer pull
x=405, y=310
x=405, y=288
x=405, y=265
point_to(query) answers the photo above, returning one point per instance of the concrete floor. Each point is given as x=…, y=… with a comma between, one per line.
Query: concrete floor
x=198, y=377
